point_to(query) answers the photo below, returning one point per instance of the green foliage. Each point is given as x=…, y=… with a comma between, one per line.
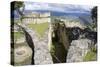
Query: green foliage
x=17, y=4
x=94, y=49
x=92, y=26
x=94, y=14
x=90, y=56
x=39, y=28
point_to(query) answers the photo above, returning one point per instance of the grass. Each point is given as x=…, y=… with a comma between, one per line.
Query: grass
x=90, y=56
x=39, y=28
x=18, y=35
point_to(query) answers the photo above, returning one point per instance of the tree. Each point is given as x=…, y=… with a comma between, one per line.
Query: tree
x=93, y=26
x=19, y=7
x=16, y=5
x=94, y=14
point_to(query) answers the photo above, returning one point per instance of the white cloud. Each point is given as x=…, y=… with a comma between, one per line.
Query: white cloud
x=56, y=7
x=36, y=6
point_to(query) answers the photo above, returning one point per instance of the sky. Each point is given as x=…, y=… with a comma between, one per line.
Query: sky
x=66, y=8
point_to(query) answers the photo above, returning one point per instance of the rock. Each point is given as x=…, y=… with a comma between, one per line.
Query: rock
x=78, y=49
x=22, y=55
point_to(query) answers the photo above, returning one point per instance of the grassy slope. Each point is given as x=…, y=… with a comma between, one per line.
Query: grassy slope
x=18, y=35
x=39, y=28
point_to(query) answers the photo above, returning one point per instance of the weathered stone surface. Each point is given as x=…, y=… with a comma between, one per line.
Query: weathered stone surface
x=78, y=49
x=22, y=55
x=21, y=40
x=21, y=52
x=41, y=51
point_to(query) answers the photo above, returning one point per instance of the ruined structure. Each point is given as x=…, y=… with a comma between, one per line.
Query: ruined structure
x=36, y=18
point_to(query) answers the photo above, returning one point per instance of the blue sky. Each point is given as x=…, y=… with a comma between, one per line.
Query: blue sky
x=66, y=8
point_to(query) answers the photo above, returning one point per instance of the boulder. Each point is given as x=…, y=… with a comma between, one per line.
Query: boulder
x=78, y=50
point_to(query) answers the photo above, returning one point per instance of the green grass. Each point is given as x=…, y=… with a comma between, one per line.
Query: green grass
x=18, y=35
x=39, y=28
x=90, y=56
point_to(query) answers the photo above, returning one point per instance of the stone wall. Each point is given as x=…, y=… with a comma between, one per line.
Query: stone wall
x=37, y=18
